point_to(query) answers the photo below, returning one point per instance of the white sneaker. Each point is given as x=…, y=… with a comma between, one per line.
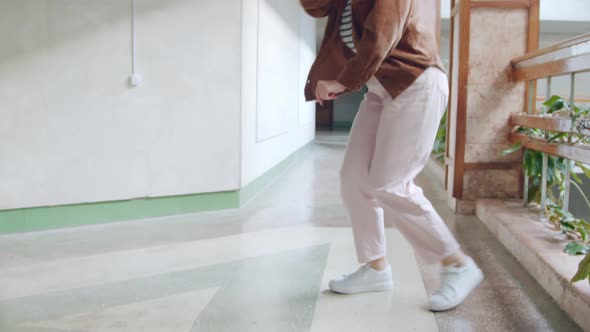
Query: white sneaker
x=457, y=283
x=365, y=279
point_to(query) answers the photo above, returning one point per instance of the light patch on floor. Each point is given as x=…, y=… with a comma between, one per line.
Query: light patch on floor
x=169, y=313
x=272, y=280
x=404, y=309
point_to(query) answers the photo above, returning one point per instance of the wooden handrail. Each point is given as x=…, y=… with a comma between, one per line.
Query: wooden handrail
x=559, y=46
x=554, y=123
x=571, y=56
x=561, y=124
x=576, y=153
x=574, y=63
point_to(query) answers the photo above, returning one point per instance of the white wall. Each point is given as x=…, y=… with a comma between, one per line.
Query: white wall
x=72, y=131
x=565, y=10
x=278, y=49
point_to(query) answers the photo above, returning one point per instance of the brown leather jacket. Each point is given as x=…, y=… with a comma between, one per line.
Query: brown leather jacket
x=395, y=41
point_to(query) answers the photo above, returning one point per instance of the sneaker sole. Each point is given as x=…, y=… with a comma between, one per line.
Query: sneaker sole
x=382, y=287
x=455, y=304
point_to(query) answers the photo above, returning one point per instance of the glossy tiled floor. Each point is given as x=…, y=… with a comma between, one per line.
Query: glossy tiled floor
x=264, y=267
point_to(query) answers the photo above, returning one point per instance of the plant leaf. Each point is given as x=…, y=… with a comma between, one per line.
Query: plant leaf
x=555, y=103
x=527, y=161
x=558, y=136
x=515, y=147
x=584, y=169
x=576, y=177
x=583, y=233
x=583, y=269
x=574, y=248
x=534, y=193
x=567, y=226
x=552, y=100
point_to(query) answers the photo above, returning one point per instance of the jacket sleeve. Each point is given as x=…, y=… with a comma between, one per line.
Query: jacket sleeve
x=383, y=30
x=318, y=8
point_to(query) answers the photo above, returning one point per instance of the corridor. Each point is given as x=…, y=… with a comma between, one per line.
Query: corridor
x=263, y=267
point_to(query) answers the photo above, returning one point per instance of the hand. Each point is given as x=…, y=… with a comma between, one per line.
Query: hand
x=327, y=90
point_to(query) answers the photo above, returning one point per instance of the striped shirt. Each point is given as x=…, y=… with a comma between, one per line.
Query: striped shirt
x=346, y=26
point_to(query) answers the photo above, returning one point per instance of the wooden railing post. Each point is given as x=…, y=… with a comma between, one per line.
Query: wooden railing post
x=485, y=37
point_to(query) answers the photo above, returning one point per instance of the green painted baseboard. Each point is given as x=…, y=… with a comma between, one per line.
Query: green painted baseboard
x=44, y=218
x=53, y=217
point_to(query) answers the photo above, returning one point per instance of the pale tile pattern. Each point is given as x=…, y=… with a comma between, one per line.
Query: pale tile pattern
x=170, y=313
x=263, y=278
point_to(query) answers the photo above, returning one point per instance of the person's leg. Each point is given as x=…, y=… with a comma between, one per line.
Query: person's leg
x=405, y=137
x=365, y=213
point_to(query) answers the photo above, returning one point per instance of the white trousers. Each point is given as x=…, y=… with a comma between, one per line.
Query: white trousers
x=390, y=143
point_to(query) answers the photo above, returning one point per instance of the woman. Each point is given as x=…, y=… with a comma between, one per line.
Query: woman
x=390, y=46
